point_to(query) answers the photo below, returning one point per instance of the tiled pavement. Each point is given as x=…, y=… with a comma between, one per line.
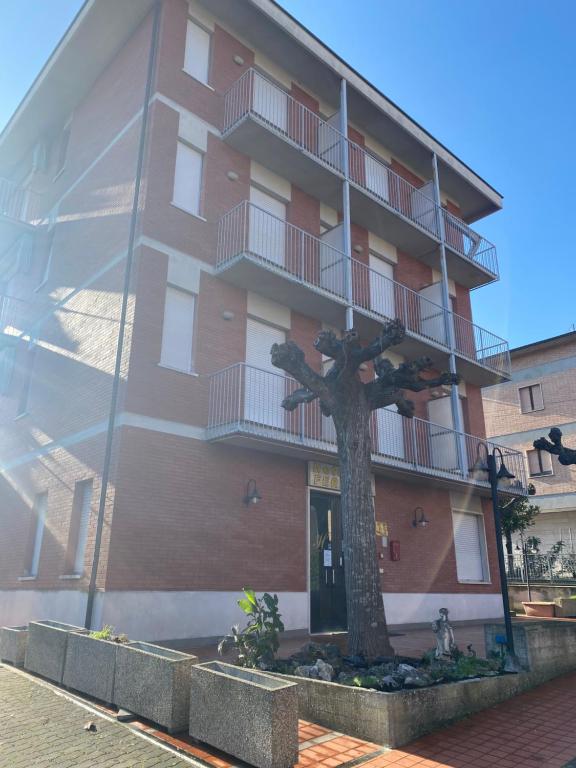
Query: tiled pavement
x=40, y=728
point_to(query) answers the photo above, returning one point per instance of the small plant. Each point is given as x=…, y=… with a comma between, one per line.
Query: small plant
x=107, y=633
x=533, y=544
x=258, y=642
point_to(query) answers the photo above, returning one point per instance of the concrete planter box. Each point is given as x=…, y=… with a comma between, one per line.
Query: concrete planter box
x=565, y=608
x=540, y=610
x=13, y=641
x=46, y=651
x=90, y=666
x=154, y=682
x=247, y=714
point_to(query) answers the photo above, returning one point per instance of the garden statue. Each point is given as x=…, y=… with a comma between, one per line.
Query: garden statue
x=442, y=628
x=566, y=456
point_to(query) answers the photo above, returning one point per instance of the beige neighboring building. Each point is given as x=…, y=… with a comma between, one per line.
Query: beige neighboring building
x=541, y=395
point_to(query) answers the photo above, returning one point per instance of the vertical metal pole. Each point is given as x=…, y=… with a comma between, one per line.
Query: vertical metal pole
x=493, y=478
x=346, y=203
x=448, y=322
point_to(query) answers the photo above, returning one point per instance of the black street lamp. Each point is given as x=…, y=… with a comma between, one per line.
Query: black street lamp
x=495, y=475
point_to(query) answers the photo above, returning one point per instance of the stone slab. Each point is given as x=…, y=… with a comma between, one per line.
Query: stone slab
x=154, y=683
x=90, y=666
x=46, y=651
x=248, y=714
x=13, y=642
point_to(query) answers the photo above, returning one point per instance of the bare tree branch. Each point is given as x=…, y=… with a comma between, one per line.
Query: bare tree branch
x=392, y=334
x=329, y=344
x=566, y=456
x=298, y=397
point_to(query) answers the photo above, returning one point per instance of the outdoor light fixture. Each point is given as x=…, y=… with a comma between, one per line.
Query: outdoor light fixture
x=252, y=495
x=420, y=519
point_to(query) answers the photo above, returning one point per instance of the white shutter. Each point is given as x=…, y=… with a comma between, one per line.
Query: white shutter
x=539, y=462
x=40, y=505
x=382, y=287
x=264, y=386
x=178, y=330
x=442, y=435
x=376, y=177
x=197, y=56
x=390, y=427
x=525, y=403
x=537, y=397
x=267, y=234
x=187, y=178
x=83, y=524
x=468, y=543
x=432, y=323
x=270, y=103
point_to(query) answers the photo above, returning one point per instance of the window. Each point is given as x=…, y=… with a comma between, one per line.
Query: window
x=62, y=150
x=79, y=526
x=27, y=369
x=539, y=463
x=39, y=520
x=197, y=56
x=178, y=330
x=470, y=546
x=188, y=178
x=531, y=398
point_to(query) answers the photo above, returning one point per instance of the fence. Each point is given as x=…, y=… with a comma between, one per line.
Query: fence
x=541, y=568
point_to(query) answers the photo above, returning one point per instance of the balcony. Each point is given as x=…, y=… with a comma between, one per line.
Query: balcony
x=245, y=409
x=13, y=313
x=264, y=122
x=258, y=251
x=19, y=210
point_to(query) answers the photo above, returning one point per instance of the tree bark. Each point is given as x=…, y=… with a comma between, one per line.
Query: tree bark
x=367, y=630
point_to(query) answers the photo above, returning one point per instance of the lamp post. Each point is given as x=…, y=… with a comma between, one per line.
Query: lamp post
x=495, y=474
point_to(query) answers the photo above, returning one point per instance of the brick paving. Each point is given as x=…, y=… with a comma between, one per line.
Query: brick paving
x=42, y=729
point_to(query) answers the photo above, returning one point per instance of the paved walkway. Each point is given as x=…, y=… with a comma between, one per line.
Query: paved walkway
x=41, y=728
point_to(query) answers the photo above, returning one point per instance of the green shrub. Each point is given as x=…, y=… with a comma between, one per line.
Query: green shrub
x=258, y=642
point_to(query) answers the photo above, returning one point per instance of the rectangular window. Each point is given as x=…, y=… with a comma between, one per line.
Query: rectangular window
x=178, y=330
x=531, y=398
x=470, y=546
x=197, y=56
x=539, y=463
x=188, y=178
x=79, y=526
x=39, y=511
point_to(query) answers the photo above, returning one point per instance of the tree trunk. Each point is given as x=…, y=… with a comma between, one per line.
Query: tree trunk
x=367, y=631
x=508, y=537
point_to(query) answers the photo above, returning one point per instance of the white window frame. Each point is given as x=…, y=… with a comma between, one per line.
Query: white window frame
x=162, y=363
x=40, y=510
x=85, y=489
x=194, y=75
x=539, y=453
x=529, y=387
x=483, y=547
x=179, y=204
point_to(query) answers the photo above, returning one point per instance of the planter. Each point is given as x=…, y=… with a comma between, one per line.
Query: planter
x=90, y=666
x=46, y=651
x=247, y=714
x=540, y=610
x=13, y=641
x=565, y=608
x=154, y=682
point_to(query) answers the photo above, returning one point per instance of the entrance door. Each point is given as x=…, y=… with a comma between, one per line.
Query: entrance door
x=382, y=287
x=267, y=233
x=264, y=387
x=327, y=588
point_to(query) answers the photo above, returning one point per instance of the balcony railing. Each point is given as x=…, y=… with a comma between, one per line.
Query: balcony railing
x=13, y=314
x=314, y=262
x=255, y=96
x=245, y=400
x=560, y=569
x=18, y=203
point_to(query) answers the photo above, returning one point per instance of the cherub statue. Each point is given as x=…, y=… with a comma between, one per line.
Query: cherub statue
x=442, y=628
x=566, y=456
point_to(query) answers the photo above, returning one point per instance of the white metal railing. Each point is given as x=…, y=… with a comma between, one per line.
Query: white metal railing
x=539, y=568
x=248, y=400
x=284, y=248
x=255, y=95
x=12, y=316
x=18, y=203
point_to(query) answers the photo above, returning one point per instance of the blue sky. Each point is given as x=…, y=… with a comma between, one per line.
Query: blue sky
x=494, y=81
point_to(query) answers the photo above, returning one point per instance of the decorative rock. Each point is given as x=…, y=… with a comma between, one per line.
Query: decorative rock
x=417, y=681
x=90, y=666
x=390, y=682
x=318, y=671
x=245, y=713
x=406, y=669
x=46, y=651
x=154, y=682
x=13, y=641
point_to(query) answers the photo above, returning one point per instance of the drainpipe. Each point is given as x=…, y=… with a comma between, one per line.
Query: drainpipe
x=448, y=322
x=346, y=204
x=123, y=316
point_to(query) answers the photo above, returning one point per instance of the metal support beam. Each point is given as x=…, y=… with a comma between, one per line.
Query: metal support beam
x=449, y=324
x=346, y=204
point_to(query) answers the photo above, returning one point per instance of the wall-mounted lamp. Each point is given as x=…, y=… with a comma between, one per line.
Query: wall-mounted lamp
x=232, y=175
x=237, y=59
x=420, y=519
x=252, y=495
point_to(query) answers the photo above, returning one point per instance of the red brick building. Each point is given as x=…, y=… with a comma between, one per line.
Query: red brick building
x=184, y=185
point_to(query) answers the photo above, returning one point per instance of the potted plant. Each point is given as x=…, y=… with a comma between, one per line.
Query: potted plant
x=90, y=665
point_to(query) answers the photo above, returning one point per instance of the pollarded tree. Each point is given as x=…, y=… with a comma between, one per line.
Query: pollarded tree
x=350, y=402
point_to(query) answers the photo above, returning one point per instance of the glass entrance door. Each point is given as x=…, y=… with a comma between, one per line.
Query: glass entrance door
x=327, y=588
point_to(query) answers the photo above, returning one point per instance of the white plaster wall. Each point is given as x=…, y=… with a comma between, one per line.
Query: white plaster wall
x=22, y=606
x=414, y=608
